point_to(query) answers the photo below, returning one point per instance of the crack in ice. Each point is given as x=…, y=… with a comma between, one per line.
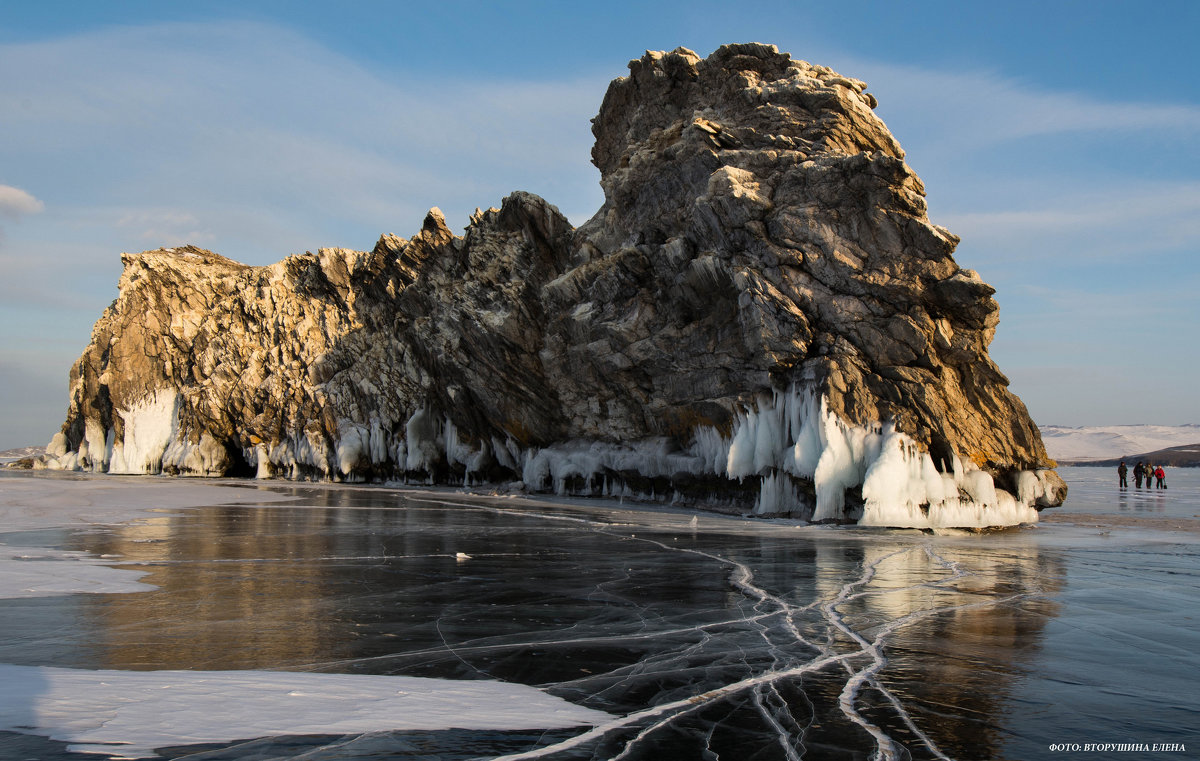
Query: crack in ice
x=667, y=713
x=768, y=615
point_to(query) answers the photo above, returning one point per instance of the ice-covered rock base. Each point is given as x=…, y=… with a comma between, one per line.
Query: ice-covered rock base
x=786, y=455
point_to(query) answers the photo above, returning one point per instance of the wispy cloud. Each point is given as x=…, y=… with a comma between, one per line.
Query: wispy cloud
x=1089, y=224
x=165, y=227
x=219, y=118
x=16, y=203
x=962, y=111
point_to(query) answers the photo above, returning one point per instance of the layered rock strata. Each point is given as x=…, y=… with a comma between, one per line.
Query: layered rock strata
x=761, y=316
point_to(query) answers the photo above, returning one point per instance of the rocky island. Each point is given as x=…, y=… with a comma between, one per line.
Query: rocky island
x=760, y=317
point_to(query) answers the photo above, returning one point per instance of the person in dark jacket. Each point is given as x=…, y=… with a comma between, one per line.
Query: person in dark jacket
x=1121, y=473
x=1139, y=470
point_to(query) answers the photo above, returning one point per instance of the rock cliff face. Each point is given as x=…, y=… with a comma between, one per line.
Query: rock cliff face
x=760, y=316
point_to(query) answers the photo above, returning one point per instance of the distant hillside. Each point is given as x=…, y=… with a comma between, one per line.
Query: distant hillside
x=13, y=455
x=1187, y=456
x=1099, y=444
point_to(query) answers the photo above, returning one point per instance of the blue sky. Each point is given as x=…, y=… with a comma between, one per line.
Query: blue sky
x=1060, y=140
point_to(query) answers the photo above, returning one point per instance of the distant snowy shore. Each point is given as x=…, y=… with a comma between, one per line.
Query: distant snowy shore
x=20, y=453
x=1106, y=442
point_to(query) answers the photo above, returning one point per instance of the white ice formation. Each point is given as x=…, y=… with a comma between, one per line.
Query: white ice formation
x=801, y=460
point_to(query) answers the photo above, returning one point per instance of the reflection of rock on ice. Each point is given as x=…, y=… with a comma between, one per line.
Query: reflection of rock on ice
x=902, y=579
x=936, y=597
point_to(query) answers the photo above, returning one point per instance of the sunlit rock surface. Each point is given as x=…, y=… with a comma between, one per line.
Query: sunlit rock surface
x=761, y=316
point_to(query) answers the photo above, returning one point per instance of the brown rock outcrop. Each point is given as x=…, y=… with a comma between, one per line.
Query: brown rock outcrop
x=761, y=314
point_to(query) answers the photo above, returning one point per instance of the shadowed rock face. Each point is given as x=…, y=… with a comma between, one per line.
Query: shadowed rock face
x=761, y=305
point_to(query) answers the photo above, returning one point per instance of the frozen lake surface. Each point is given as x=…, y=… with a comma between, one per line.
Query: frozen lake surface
x=241, y=620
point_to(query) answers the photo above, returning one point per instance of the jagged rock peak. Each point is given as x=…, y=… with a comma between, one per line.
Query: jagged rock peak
x=785, y=103
x=760, y=316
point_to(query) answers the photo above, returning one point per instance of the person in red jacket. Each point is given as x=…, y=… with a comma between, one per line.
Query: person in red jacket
x=1161, y=476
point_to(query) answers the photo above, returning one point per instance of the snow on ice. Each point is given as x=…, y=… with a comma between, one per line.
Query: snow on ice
x=42, y=572
x=128, y=714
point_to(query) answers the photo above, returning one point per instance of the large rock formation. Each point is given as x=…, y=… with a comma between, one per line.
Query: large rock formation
x=760, y=315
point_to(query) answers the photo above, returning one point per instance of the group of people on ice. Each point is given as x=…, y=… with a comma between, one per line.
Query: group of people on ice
x=1151, y=473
